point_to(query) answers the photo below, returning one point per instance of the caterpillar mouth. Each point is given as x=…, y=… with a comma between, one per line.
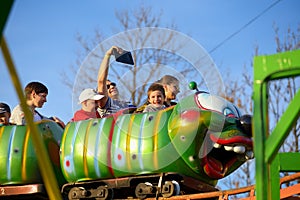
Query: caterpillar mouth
x=224, y=153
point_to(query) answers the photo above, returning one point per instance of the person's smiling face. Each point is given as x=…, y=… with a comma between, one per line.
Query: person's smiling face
x=112, y=90
x=156, y=98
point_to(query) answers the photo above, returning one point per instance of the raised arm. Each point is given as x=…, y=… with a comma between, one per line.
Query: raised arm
x=103, y=73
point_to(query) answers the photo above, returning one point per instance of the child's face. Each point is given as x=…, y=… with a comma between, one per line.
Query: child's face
x=89, y=105
x=4, y=118
x=156, y=98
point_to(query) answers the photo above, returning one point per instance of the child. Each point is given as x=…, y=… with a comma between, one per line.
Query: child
x=156, y=98
x=4, y=114
x=87, y=98
x=171, y=87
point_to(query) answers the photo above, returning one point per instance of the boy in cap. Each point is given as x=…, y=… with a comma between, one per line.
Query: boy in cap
x=87, y=99
x=4, y=114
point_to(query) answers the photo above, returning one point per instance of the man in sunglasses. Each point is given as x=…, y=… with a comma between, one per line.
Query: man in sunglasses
x=110, y=103
x=112, y=90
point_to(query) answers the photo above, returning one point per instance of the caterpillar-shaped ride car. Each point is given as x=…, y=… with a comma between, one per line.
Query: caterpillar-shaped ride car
x=19, y=170
x=179, y=150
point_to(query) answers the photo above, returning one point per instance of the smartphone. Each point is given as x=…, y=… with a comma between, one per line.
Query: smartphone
x=125, y=57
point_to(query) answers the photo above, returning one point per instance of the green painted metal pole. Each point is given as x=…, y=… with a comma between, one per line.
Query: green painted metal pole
x=260, y=128
x=289, y=161
x=275, y=179
x=266, y=146
x=283, y=128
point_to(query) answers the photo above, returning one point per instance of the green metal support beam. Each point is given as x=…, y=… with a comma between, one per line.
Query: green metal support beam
x=293, y=166
x=283, y=128
x=266, y=145
x=280, y=164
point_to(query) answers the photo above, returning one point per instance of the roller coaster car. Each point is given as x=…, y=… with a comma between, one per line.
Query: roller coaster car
x=20, y=177
x=183, y=149
x=204, y=137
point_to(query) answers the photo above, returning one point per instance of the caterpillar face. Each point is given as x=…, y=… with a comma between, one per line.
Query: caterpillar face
x=219, y=136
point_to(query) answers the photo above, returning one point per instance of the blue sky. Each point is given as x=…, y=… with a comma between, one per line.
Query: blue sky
x=41, y=36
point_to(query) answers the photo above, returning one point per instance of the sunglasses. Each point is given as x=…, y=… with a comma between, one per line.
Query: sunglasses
x=111, y=84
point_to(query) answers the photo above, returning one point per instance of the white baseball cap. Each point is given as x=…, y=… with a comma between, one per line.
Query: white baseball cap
x=89, y=94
